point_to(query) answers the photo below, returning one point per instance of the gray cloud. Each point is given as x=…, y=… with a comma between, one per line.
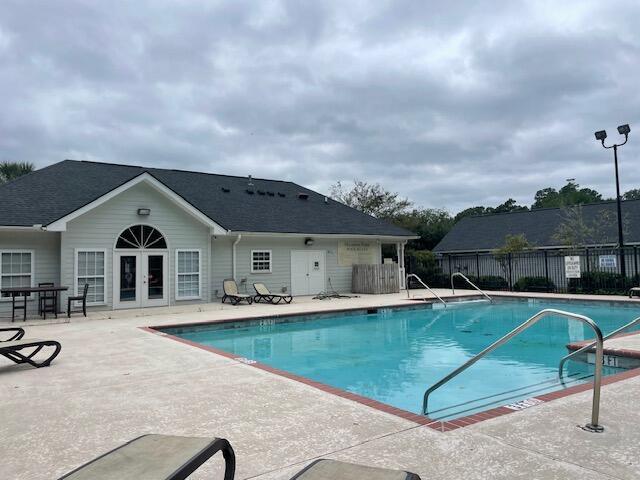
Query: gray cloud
x=450, y=103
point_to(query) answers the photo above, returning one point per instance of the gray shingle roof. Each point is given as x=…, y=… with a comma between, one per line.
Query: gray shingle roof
x=488, y=232
x=52, y=192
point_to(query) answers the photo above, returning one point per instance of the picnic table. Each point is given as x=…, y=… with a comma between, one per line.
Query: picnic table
x=25, y=292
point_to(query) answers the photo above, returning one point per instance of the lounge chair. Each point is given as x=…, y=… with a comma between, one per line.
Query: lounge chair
x=634, y=291
x=324, y=469
x=18, y=333
x=156, y=457
x=165, y=457
x=230, y=288
x=263, y=293
x=20, y=350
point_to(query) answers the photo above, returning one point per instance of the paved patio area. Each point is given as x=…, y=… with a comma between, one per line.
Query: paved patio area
x=114, y=381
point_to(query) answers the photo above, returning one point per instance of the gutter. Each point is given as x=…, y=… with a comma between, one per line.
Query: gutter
x=233, y=256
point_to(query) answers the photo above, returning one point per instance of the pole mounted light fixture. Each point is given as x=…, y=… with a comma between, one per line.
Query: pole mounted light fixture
x=601, y=135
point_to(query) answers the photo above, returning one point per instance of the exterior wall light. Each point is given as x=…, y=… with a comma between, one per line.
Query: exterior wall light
x=144, y=211
x=308, y=242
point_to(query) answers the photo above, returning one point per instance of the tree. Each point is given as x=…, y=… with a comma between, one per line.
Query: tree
x=570, y=194
x=573, y=231
x=430, y=223
x=12, y=170
x=633, y=194
x=508, y=206
x=470, y=212
x=372, y=199
x=513, y=244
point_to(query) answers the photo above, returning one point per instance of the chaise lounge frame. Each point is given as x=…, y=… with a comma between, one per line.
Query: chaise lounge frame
x=13, y=350
x=263, y=294
x=230, y=288
x=128, y=460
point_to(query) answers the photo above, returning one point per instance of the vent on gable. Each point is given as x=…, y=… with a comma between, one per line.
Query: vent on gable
x=303, y=196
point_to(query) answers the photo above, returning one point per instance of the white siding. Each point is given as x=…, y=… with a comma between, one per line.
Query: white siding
x=100, y=228
x=46, y=247
x=338, y=278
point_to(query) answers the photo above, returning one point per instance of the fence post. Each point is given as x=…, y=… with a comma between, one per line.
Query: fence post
x=635, y=260
x=478, y=266
x=450, y=271
x=546, y=269
x=510, y=274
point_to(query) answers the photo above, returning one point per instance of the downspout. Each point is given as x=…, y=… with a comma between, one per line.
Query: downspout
x=233, y=259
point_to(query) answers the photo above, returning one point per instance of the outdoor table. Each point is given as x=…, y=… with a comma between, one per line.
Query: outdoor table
x=14, y=292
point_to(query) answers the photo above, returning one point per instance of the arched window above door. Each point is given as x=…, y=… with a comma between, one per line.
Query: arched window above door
x=141, y=236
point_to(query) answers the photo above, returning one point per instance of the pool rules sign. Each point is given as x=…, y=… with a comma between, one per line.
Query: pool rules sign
x=572, y=266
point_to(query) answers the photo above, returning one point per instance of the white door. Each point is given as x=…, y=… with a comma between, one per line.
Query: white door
x=140, y=279
x=307, y=272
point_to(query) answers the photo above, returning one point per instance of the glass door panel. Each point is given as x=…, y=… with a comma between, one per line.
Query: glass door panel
x=128, y=277
x=155, y=277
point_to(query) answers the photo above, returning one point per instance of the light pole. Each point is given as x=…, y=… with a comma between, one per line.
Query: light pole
x=601, y=136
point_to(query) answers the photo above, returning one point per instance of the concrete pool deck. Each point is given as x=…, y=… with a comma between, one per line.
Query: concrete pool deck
x=114, y=381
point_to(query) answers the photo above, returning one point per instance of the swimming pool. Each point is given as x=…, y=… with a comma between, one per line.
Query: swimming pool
x=393, y=355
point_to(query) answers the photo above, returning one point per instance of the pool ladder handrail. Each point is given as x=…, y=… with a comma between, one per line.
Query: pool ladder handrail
x=424, y=285
x=597, y=378
x=460, y=274
x=592, y=344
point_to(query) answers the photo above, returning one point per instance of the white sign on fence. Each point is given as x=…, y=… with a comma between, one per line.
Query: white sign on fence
x=572, y=266
x=608, y=261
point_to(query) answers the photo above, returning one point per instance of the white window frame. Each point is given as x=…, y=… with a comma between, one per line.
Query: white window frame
x=199, y=273
x=33, y=268
x=104, y=272
x=270, y=252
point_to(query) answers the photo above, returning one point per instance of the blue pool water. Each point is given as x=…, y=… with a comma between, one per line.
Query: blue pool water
x=395, y=354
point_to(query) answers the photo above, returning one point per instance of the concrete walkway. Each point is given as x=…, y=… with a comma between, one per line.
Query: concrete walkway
x=114, y=381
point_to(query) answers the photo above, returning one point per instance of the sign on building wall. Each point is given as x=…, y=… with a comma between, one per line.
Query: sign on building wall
x=357, y=252
x=572, y=266
x=607, y=261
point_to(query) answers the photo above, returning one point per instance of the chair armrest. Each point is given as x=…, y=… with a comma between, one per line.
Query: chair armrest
x=19, y=333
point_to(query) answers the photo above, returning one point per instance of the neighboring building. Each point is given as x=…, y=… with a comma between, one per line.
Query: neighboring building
x=469, y=246
x=150, y=237
x=486, y=233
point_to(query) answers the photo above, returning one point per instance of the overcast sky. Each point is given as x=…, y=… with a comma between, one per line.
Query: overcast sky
x=452, y=104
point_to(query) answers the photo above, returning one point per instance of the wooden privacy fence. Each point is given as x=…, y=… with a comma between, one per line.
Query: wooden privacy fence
x=375, y=278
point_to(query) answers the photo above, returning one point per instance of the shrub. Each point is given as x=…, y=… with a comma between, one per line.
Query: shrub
x=601, y=283
x=485, y=282
x=534, y=284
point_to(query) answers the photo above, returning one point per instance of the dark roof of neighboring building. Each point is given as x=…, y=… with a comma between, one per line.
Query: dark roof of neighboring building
x=539, y=226
x=48, y=194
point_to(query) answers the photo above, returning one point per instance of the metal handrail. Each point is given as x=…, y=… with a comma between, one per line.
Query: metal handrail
x=597, y=378
x=459, y=274
x=591, y=345
x=424, y=285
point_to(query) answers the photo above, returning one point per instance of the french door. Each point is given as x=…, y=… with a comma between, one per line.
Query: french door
x=140, y=279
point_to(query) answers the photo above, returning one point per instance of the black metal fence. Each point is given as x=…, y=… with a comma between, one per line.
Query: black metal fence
x=586, y=270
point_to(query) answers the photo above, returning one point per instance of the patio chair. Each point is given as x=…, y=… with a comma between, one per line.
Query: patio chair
x=324, y=469
x=263, y=293
x=18, y=333
x=46, y=300
x=24, y=350
x=634, y=291
x=230, y=288
x=156, y=457
x=78, y=298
